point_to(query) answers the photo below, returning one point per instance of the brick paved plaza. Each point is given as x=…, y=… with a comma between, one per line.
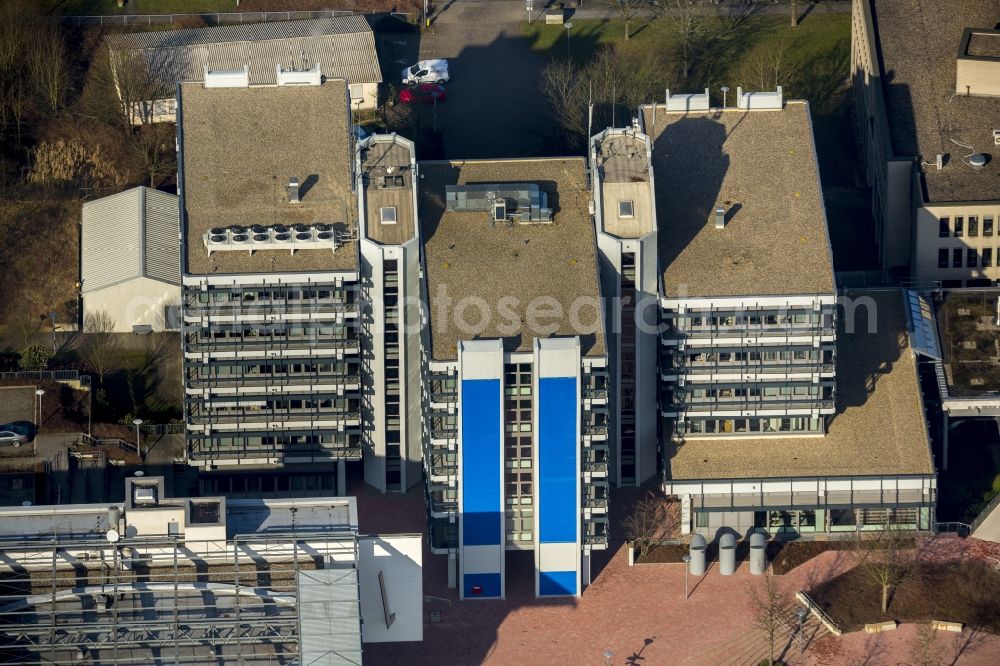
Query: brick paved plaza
x=637, y=612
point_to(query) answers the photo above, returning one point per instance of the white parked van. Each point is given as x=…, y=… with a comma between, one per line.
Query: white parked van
x=426, y=71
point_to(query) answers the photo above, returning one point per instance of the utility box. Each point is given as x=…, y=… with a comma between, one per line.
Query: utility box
x=554, y=17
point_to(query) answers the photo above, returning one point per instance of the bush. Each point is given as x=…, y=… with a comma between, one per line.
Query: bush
x=34, y=357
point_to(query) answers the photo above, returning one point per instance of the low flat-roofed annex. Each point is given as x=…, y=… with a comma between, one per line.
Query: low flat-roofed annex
x=240, y=147
x=760, y=167
x=469, y=260
x=879, y=427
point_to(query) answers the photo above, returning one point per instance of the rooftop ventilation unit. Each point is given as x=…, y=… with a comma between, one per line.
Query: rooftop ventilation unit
x=293, y=191
x=688, y=101
x=227, y=78
x=996, y=137
x=299, y=77
x=720, y=218
x=978, y=160
x=524, y=203
x=277, y=237
x=759, y=100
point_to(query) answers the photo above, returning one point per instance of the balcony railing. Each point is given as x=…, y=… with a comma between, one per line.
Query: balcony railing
x=207, y=449
x=265, y=380
x=199, y=417
x=748, y=404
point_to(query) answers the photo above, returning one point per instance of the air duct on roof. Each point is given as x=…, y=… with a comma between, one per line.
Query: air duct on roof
x=299, y=77
x=720, y=218
x=227, y=78
x=293, y=191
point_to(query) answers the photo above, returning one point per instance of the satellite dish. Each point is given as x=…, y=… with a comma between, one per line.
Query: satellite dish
x=140, y=473
x=26, y=503
x=390, y=169
x=113, y=536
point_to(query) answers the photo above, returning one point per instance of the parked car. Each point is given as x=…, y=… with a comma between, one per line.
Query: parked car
x=425, y=93
x=426, y=71
x=12, y=435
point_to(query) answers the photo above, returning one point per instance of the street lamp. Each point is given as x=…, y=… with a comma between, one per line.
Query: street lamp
x=38, y=421
x=568, y=25
x=687, y=567
x=725, y=91
x=608, y=655
x=138, y=446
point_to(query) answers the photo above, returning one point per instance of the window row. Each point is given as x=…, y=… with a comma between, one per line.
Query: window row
x=270, y=370
x=285, y=405
x=755, y=356
x=957, y=229
x=280, y=332
x=966, y=257
x=794, y=318
x=262, y=296
x=325, y=438
x=747, y=426
x=751, y=392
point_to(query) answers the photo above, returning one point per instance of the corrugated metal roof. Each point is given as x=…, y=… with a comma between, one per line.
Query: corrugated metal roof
x=329, y=617
x=344, y=46
x=130, y=235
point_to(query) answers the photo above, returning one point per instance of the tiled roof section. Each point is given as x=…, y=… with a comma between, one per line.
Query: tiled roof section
x=919, y=42
x=760, y=166
x=344, y=46
x=472, y=265
x=879, y=426
x=240, y=148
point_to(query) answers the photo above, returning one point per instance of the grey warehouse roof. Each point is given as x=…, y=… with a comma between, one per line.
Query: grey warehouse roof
x=344, y=46
x=761, y=167
x=130, y=235
x=919, y=42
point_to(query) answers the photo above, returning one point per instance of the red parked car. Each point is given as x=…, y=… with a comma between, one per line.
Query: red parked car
x=424, y=93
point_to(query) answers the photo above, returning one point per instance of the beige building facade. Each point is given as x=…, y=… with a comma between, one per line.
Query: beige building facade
x=926, y=152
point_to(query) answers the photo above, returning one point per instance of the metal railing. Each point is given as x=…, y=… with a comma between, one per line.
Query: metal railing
x=819, y=613
x=210, y=19
x=47, y=375
x=984, y=514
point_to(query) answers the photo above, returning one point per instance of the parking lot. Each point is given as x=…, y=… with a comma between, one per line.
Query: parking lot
x=17, y=404
x=494, y=106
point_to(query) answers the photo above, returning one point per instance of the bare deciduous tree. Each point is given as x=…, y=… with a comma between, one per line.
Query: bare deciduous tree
x=629, y=10
x=889, y=557
x=926, y=651
x=152, y=147
x=100, y=348
x=771, y=607
x=767, y=67
x=650, y=522
x=687, y=21
x=47, y=63
x=139, y=82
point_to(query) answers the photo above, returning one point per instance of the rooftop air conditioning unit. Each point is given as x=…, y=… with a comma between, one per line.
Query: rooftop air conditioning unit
x=144, y=495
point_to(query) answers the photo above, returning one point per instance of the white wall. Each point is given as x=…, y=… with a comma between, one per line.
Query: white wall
x=138, y=302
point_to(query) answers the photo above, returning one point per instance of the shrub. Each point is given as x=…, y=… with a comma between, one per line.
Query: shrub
x=34, y=357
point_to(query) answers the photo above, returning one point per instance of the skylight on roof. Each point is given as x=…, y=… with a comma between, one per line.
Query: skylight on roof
x=388, y=214
x=626, y=209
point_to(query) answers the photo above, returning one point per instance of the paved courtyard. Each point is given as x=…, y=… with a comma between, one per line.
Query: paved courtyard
x=637, y=612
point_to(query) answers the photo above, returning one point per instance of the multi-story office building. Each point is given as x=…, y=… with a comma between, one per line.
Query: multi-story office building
x=773, y=420
x=748, y=300
x=926, y=78
x=516, y=380
x=625, y=221
x=270, y=275
x=386, y=173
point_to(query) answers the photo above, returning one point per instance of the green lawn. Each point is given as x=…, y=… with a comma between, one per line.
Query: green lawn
x=816, y=52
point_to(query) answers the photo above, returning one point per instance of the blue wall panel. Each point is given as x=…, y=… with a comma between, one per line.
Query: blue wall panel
x=482, y=520
x=488, y=584
x=557, y=583
x=558, y=514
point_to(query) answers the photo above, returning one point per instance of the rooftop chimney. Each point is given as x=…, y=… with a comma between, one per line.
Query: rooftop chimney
x=720, y=218
x=293, y=190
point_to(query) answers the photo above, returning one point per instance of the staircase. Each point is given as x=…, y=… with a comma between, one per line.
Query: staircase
x=752, y=647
